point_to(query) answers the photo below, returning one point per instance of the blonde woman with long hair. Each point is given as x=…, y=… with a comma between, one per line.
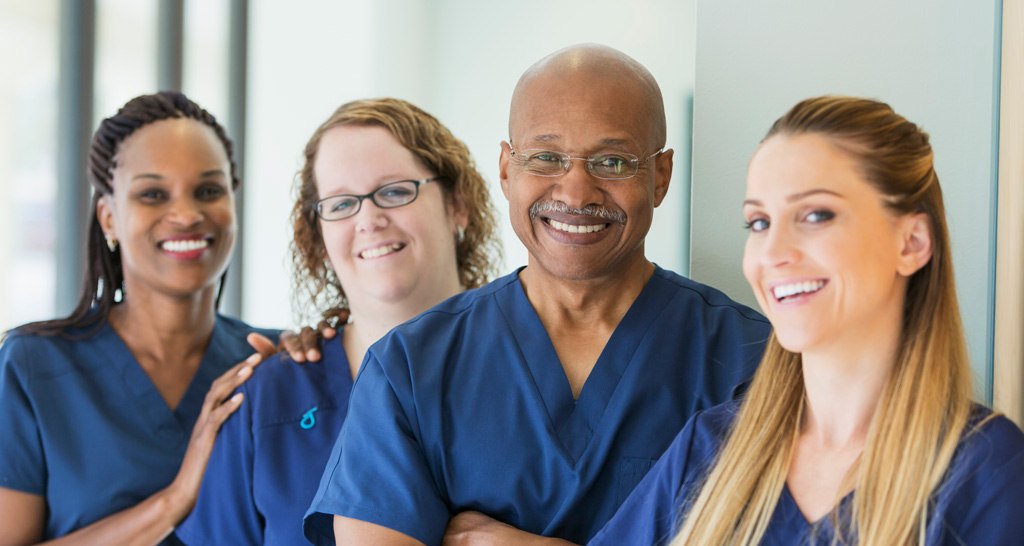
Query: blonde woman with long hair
x=859, y=426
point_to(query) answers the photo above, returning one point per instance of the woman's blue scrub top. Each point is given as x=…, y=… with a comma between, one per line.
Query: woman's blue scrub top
x=270, y=454
x=84, y=426
x=979, y=502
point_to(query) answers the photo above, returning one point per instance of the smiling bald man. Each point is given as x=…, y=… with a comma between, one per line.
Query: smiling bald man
x=542, y=399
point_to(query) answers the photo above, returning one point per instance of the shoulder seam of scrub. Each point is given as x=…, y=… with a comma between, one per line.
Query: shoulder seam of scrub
x=731, y=304
x=459, y=303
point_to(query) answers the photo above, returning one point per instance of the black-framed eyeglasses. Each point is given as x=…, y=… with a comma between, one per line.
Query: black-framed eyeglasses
x=388, y=196
x=612, y=166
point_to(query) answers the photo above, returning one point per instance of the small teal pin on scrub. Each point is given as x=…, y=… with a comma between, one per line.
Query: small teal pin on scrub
x=308, y=419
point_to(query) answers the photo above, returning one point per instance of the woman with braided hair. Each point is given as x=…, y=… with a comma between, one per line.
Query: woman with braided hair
x=110, y=414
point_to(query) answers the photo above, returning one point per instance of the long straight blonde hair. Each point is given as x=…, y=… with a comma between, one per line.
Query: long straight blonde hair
x=926, y=402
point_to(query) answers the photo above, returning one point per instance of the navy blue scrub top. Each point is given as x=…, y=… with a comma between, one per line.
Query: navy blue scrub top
x=270, y=454
x=979, y=501
x=467, y=407
x=85, y=427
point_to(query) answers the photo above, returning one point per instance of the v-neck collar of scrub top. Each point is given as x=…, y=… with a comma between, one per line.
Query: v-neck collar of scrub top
x=789, y=518
x=145, y=397
x=574, y=421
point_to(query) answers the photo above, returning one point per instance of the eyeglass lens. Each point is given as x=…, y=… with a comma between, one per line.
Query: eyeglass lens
x=395, y=194
x=608, y=166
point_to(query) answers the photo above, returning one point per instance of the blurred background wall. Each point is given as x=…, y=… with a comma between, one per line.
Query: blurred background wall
x=935, y=61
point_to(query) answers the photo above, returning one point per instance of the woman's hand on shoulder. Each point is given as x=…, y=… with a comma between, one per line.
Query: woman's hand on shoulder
x=304, y=345
x=219, y=404
x=300, y=346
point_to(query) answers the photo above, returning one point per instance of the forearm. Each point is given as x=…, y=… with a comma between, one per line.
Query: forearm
x=507, y=537
x=476, y=529
x=153, y=519
x=522, y=538
x=353, y=531
x=144, y=524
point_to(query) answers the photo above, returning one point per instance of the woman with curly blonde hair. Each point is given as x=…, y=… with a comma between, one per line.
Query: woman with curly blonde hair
x=858, y=427
x=391, y=218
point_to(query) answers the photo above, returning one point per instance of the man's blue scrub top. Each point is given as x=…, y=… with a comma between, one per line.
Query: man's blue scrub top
x=979, y=502
x=270, y=454
x=85, y=427
x=467, y=407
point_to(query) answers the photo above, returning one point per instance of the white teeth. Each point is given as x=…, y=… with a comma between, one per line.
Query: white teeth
x=380, y=251
x=787, y=290
x=570, y=228
x=184, y=245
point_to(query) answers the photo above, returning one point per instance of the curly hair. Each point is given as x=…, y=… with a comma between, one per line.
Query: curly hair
x=434, y=145
x=104, y=278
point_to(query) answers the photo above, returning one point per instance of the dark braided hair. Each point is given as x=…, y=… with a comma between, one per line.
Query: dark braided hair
x=104, y=278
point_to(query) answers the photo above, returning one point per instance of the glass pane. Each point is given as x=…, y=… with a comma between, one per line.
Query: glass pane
x=28, y=159
x=205, y=70
x=126, y=53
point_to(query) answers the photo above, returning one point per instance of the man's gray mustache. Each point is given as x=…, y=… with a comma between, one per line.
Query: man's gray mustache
x=542, y=207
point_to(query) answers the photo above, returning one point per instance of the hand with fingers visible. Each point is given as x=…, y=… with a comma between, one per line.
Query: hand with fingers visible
x=263, y=345
x=221, y=401
x=304, y=345
x=154, y=518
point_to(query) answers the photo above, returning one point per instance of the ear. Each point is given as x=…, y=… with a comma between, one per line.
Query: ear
x=459, y=212
x=503, y=160
x=916, y=248
x=662, y=175
x=105, y=214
